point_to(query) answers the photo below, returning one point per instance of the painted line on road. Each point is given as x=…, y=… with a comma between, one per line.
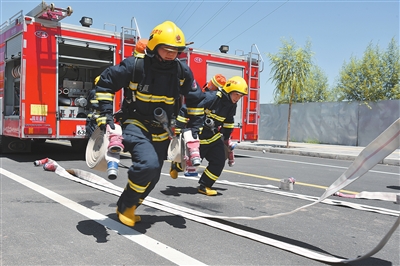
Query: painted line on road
x=297, y=182
x=277, y=179
x=316, y=164
x=149, y=243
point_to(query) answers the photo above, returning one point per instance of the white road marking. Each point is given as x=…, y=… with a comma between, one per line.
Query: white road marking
x=316, y=164
x=149, y=243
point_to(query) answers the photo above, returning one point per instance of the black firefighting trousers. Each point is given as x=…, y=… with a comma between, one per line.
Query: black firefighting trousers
x=147, y=160
x=214, y=153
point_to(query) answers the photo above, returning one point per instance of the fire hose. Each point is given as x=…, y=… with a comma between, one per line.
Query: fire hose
x=377, y=150
x=98, y=156
x=16, y=72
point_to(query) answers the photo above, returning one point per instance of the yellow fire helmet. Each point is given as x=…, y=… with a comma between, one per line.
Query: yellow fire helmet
x=167, y=33
x=237, y=84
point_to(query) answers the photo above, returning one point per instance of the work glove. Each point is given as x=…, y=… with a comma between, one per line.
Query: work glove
x=105, y=119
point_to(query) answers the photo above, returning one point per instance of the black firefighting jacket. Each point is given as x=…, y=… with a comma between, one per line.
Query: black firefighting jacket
x=220, y=112
x=159, y=86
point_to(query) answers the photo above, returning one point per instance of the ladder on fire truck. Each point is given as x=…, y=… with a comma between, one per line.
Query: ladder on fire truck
x=129, y=36
x=50, y=12
x=256, y=65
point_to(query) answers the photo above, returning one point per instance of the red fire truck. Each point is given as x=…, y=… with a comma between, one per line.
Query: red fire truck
x=48, y=68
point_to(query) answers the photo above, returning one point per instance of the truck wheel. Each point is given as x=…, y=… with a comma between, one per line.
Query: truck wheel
x=52, y=7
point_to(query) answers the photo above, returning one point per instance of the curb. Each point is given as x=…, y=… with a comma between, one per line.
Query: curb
x=270, y=149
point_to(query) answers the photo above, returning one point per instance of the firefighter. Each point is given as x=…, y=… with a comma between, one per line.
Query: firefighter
x=215, y=143
x=93, y=106
x=160, y=87
x=215, y=83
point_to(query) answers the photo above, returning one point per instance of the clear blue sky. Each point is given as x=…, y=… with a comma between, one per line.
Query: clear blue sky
x=336, y=29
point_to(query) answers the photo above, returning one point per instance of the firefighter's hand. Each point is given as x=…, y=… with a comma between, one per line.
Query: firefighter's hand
x=105, y=119
x=231, y=158
x=195, y=132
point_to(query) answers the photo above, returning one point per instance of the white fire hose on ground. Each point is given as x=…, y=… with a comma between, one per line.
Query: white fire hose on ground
x=375, y=152
x=98, y=156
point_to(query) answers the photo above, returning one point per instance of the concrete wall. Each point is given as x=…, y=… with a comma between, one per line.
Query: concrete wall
x=342, y=123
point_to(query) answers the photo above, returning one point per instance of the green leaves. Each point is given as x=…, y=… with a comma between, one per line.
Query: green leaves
x=372, y=78
x=296, y=78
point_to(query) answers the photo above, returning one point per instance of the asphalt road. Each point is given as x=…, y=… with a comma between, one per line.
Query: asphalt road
x=47, y=219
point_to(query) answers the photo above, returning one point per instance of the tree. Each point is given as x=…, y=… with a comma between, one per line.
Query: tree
x=316, y=89
x=391, y=74
x=374, y=77
x=290, y=70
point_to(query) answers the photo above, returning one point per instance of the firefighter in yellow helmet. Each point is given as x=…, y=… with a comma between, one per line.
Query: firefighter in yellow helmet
x=215, y=83
x=163, y=80
x=235, y=88
x=215, y=143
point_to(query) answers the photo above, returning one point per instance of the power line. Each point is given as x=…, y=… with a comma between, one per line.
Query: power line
x=183, y=24
x=228, y=25
x=212, y=18
x=176, y=20
x=240, y=34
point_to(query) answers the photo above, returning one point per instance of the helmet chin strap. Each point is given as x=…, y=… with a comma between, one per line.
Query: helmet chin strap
x=227, y=95
x=162, y=61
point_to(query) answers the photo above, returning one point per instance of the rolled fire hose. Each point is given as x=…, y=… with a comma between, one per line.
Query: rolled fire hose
x=16, y=72
x=177, y=150
x=97, y=155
